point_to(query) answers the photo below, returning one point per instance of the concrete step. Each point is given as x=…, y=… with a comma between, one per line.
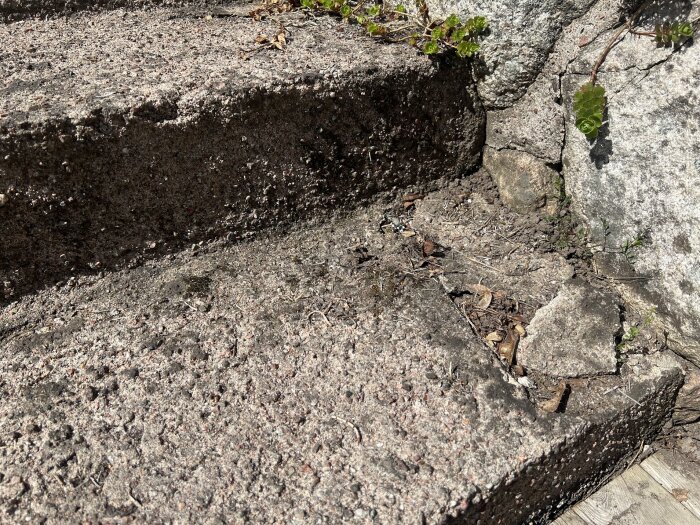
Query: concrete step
x=127, y=134
x=14, y=10
x=322, y=377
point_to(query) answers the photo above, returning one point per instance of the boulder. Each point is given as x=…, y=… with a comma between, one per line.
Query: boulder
x=637, y=184
x=522, y=33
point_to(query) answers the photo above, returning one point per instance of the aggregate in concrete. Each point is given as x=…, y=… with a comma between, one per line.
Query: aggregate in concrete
x=125, y=134
x=322, y=377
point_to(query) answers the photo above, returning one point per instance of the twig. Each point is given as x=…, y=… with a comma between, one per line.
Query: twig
x=611, y=43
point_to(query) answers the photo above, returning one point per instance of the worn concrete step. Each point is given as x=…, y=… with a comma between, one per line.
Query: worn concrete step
x=14, y=10
x=125, y=134
x=324, y=377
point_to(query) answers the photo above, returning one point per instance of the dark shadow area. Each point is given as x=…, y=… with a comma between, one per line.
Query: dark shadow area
x=660, y=11
x=602, y=147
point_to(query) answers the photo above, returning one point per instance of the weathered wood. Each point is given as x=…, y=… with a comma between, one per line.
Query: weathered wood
x=674, y=473
x=634, y=498
x=569, y=518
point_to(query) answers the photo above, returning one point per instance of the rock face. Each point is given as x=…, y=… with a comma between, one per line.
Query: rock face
x=522, y=35
x=524, y=182
x=573, y=335
x=638, y=183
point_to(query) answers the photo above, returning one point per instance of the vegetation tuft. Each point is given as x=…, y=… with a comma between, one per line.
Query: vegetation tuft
x=397, y=24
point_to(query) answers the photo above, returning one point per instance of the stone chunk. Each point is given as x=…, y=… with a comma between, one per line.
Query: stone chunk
x=573, y=335
x=687, y=408
x=524, y=182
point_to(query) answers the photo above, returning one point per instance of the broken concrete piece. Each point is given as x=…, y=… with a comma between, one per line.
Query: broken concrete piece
x=573, y=335
x=524, y=182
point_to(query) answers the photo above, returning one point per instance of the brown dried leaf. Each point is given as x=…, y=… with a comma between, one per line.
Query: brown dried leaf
x=429, y=248
x=506, y=349
x=519, y=370
x=681, y=495
x=494, y=336
x=410, y=199
x=521, y=331
x=485, y=300
x=261, y=39
x=553, y=404
x=477, y=288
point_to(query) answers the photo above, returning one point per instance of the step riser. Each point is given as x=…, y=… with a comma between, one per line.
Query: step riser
x=88, y=196
x=580, y=465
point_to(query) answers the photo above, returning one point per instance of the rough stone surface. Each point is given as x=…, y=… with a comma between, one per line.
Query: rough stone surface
x=639, y=181
x=522, y=35
x=13, y=10
x=324, y=372
x=687, y=409
x=574, y=335
x=128, y=134
x=535, y=123
x=525, y=183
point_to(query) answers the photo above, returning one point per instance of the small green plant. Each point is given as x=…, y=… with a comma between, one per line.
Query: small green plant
x=398, y=25
x=634, y=330
x=589, y=106
x=629, y=336
x=629, y=247
x=671, y=34
x=589, y=100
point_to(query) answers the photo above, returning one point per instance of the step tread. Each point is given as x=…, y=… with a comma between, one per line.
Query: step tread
x=116, y=60
x=321, y=376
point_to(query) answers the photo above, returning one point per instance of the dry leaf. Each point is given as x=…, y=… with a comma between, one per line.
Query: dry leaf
x=429, y=248
x=410, y=199
x=485, y=300
x=506, y=349
x=552, y=405
x=521, y=331
x=408, y=233
x=477, y=288
x=260, y=39
x=494, y=336
x=519, y=370
x=681, y=495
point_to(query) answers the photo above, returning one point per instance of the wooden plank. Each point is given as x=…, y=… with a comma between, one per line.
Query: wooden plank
x=677, y=475
x=569, y=518
x=634, y=498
